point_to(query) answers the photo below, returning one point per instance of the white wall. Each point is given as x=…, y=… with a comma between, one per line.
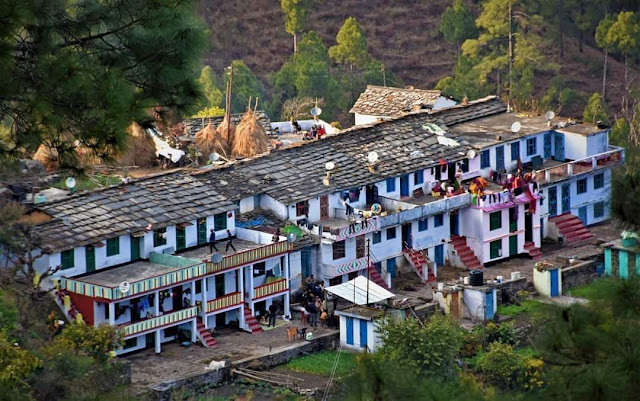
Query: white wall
x=443, y=102
x=278, y=208
x=372, y=337
x=148, y=242
x=247, y=204
x=386, y=248
x=475, y=302
x=362, y=119
x=598, y=143
x=191, y=234
x=102, y=260
x=575, y=146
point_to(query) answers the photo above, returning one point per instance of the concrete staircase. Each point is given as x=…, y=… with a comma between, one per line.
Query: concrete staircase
x=376, y=277
x=251, y=321
x=465, y=253
x=205, y=337
x=418, y=260
x=571, y=228
x=530, y=248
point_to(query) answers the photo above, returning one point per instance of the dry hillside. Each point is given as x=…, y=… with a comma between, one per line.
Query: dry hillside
x=402, y=34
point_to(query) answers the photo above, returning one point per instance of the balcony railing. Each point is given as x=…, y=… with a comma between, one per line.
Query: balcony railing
x=270, y=289
x=344, y=268
x=613, y=157
x=160, y=321
x=224, y=302
x=411, y=212
x=248, y=256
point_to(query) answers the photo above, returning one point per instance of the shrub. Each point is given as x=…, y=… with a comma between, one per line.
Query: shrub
x=501, y=332
x=500, y=365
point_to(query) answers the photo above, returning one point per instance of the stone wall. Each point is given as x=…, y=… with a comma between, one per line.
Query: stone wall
x=507, y=291
x=163, y=391
x=579, y=274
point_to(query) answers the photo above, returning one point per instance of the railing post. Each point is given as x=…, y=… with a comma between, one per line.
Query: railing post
x=594, y=163
x=570, y=169
x=547, y=176
x=204, y=301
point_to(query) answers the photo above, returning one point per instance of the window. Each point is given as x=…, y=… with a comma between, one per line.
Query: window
x=598, y=210
x=484, y=159
x=418, y=177
x=423, y=225
x=495, y=220
x=438, y=220
x=220, y=221
x=66, y=259
x=338, y=250
x=391, y=185
x=302, y=208
x=377, y=237
x=531, y=146
x=598, y=181
x=113, y=246
x=582, y=186
x=259, y=269
x=160, y=237
x=515, y=151
x=391, y=233
x=464, y=165
x=495, y=249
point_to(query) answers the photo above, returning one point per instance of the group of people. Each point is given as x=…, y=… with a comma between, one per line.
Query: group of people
x=212, y=241
x=314, y=304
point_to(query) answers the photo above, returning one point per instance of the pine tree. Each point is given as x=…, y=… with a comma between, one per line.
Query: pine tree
x=457, y=24
x=596, y=109
x=210, y=89
x=624, y=35
x=245, y=85
x=602, y=34
x=351, y=49
x=295, y=17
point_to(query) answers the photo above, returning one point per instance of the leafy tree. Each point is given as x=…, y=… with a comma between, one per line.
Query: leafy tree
x=624, y=200
x=624, y=36
x=209, y=87
x=245, y=85
x=560, y=96
x=596, y=109
x=457, y=24
x=80, y=72
x=429, y=349
x=16, y=366
x=295, y=17
x=465, y=82
x=602, y=34
x=352, y=45
x=94, y=342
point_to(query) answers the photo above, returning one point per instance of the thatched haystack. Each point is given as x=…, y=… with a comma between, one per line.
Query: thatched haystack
x=227, y=130
x=209, y=140
x=250, y=138
x=48, y=157
x=140, y=150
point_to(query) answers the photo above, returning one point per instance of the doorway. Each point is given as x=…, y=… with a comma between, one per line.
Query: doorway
x=404, y=186
x=406, y=236
x=528, y=227
x=219, y=285
x=90, y=258
x=135, y=247
x=558, y=139
x=360, y=247
x=513, y=245
x=324, y=207
x=371, y=193
x=454, y=223
x=566, y=198
x=202, y=231
x=181, y=238
x=553, y=201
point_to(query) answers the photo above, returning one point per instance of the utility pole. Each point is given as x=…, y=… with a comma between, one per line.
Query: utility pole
x=227, y=112
x=510, y=56
x=384, y=76
x=368, y=267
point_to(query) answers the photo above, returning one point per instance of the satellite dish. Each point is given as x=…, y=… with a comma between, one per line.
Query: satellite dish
x=70, y=182
x=376, y=208
x=471, y=154
x=330, y=166
x=372, y=157
x=292, y=237
x=216, y=258
x=214, y=157
x=124, y=287
x=515, y=127
x=316, y=111
x=549, y=115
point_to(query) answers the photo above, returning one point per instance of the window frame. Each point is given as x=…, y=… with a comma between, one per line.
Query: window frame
x=423, y=224
x=376, y=237
x=497, y=249
x=495, y=224
x=339, y=250
x=532, y=146
x=595, y=209
x=581, y=186
x=515, y=155
x=217, y=218
x=390, y=185
x=392, y=231
x=438, y=220
x=418, y=177
x=302, y=208
x=598, y=181
x=113, y=246
x=157, y=239
x=68, y=261
x=485, y=159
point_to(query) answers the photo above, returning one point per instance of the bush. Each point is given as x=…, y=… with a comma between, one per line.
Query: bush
x=502, y=333
x=507, y=368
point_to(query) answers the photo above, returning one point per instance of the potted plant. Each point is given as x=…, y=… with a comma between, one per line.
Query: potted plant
x=629, y=238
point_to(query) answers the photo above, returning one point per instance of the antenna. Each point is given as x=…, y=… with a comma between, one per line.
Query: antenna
x=316, y=111
x=372, y=157
x=549, y=116
x=214, y=157
x=70, y=183
x=292, y=237
x=124, y=287
x=516, y=127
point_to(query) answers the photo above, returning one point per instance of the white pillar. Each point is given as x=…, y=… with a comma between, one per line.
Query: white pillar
x=158, y=344
x=95, y=308
x=112, y=313
x=156, y=302
x=194, y=332
x=594, y=163
x=204, y=302
x=193, y=293
x=570, y=169
x=251, y=285
x=241, y=290
x=287, y=305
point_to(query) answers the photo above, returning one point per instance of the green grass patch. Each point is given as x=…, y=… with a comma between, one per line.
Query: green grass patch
x=527, y=306
x=588, y=291
x=87, y=183
x=321, y=363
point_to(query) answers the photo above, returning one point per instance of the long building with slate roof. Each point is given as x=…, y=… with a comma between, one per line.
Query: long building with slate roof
x=425, y=190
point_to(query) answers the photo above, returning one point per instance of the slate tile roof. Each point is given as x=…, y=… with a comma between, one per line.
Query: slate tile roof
x=293, y=174
x=391, y=102
x=163, y=200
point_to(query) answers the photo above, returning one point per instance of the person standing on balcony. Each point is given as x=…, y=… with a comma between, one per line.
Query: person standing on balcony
x=212, y=241
x=230, y=242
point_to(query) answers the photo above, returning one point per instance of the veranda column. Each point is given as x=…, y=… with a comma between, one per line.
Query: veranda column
x=241, y=290
x=204, y=302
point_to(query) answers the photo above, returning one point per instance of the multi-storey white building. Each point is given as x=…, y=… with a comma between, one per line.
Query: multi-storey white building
x=368, y=185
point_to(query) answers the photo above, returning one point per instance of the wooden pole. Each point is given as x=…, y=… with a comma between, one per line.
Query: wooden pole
x=228, y=105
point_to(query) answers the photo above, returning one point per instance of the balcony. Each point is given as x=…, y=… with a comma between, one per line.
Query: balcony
x=400, y=211
x=224, y=302
x=160, y=321
x=614, y=157
x=270, y=289
x=341, y=229
x=344, y=268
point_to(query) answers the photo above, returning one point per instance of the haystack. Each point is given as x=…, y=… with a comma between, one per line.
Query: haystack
x=227, y=135
x=139, y=150
x=250, y=138
x=48, y=157
x=208, y=140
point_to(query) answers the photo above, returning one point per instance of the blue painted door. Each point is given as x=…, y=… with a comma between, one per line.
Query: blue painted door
x=553, y=201
x=453, y=223
x=547, y=145
x=363, y=333
x=582, y=214
x=489, y=305
x=558, y=140
x=350, y=330
x=500, y=158
x=555, y=288
x=439, y=255
x=566, y=198
x=404, y=185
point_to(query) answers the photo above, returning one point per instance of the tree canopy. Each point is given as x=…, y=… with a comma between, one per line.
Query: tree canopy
x=295, y=17
x=457, y=24
x=351, y=47
x=245, y=85
x=209, y=85
x=80, y=72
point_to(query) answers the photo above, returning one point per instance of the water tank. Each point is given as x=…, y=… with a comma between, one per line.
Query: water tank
x=476, y=278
